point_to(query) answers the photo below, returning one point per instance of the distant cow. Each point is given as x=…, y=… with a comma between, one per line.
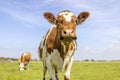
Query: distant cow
x=24, y=61
x=57, y=47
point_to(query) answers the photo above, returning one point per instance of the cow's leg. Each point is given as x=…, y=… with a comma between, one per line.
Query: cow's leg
x=27, y=65
x=50, y=69
x=68, y=68
x=44, y=72
x=56, y=74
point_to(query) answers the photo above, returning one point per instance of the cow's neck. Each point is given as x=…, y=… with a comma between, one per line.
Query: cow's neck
x=61, y=47
x=22, y=60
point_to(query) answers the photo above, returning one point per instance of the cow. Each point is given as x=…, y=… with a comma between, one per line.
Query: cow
x=24, y=60
x=57, y=47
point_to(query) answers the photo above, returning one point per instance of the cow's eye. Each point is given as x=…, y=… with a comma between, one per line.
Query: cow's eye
x=74, y=21
x=56, y=21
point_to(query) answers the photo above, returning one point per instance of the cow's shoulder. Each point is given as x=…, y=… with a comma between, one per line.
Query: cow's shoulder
x=50, y=38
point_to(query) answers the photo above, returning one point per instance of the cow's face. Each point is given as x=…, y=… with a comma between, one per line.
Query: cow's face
x=66, y=23
x=21, y=66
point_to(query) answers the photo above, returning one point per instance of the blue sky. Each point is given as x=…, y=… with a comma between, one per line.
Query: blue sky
x=22, y=26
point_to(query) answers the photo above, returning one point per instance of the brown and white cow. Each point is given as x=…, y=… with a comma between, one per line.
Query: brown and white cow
x=57, y=47
x=24, y=60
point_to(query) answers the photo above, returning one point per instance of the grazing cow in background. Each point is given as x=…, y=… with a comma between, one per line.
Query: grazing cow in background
x=24, y=60
x=57, y=47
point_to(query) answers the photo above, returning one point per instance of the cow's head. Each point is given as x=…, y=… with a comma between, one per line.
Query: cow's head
x=21, y=66
x=66, y=23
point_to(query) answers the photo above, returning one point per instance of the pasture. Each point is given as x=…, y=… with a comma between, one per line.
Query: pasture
x=79, y=71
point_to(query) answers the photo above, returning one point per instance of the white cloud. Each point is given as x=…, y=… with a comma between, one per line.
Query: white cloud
x=22, y=12
x=113, y=47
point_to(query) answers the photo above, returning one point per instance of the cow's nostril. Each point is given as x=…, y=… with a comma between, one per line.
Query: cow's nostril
x=72, y=31
x=64, y=32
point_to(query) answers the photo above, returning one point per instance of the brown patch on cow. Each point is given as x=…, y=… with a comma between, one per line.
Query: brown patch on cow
x=41, y=51
x=60, y=48
x=25, y=58
x=45, y=37
x=51, y=39
x=62, y=52
x=71, y=46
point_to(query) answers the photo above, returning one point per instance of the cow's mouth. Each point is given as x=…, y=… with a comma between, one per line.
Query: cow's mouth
x=67, y=39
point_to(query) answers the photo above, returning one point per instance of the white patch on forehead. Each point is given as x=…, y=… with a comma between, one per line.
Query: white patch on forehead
x=67, y=15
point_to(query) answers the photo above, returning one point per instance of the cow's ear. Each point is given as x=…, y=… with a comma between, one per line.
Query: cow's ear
x=50, y=17
x=82, y=17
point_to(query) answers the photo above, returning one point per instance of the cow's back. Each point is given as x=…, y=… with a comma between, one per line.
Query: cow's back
x=26, y=57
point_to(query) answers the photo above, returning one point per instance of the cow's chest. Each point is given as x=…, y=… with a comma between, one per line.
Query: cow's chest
x=58, y=61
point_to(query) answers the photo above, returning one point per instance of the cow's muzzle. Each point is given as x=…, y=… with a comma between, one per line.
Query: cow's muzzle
x=68, y=38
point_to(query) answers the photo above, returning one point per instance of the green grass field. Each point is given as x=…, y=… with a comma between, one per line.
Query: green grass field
x=80, y=71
